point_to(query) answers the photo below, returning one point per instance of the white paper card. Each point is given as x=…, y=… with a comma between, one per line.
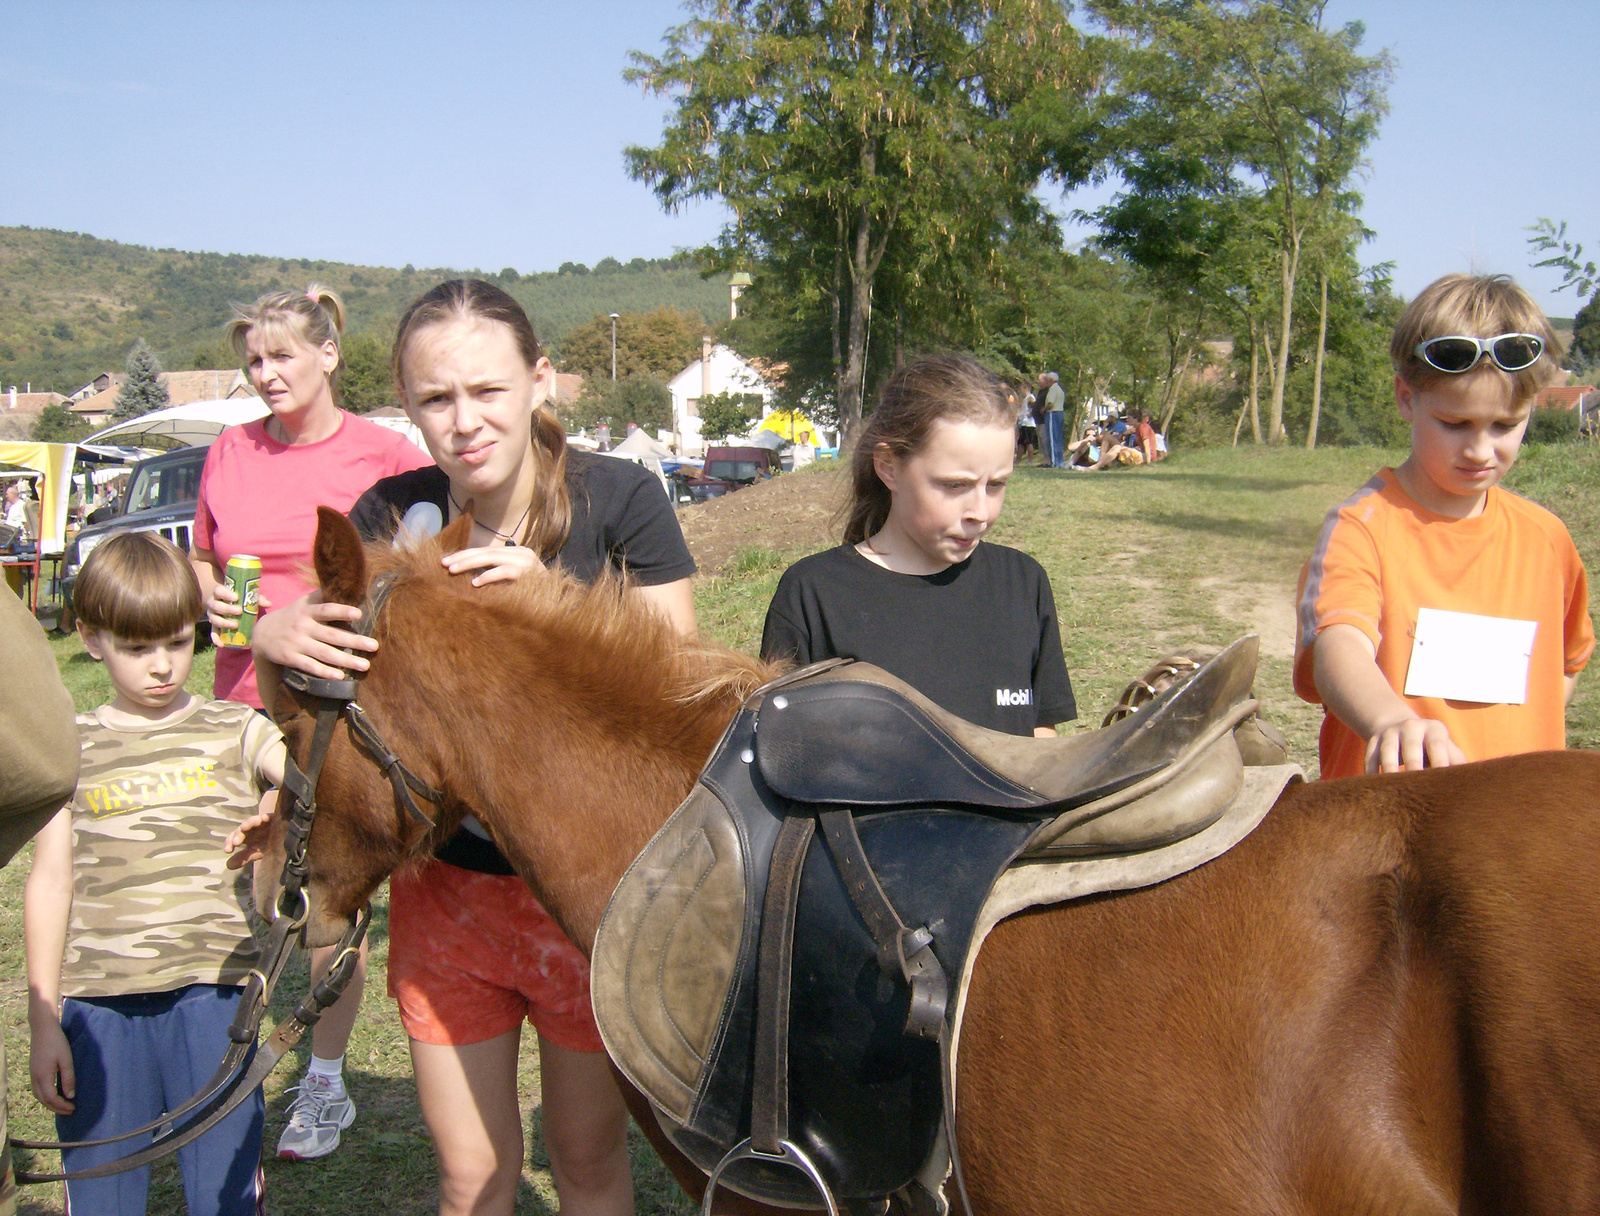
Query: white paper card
x=1460, y=656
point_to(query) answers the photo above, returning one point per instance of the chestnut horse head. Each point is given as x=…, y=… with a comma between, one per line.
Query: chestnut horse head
x=558, y=713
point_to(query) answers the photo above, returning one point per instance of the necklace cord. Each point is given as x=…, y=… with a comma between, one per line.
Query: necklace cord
x=511, y=537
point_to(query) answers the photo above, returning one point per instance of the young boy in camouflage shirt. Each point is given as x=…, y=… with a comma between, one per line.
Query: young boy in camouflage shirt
x=130, y=913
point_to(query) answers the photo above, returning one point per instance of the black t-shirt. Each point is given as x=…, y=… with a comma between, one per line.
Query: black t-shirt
x=979, y=638
x=621, y=518
x=622, y=521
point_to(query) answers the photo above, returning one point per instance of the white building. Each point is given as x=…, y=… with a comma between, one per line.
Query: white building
x=718, y=370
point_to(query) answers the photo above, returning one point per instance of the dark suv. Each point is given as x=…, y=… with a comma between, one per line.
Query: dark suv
x=160, y=498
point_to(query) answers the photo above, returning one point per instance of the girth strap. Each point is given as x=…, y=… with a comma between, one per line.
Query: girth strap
x=769, y=1104
x=908, y=952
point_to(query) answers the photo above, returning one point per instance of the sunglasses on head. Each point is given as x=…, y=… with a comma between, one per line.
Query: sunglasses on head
x=1458, y=353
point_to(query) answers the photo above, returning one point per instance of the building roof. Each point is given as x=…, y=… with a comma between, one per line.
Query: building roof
x=28, y=403
x=204, y=384
x=1562, y=396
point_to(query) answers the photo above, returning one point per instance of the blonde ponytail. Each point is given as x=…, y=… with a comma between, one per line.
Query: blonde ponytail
x=312, y=317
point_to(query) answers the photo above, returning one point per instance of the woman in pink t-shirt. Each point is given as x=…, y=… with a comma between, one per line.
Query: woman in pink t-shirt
x=259, y=494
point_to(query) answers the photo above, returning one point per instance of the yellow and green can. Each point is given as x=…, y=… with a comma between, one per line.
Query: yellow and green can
x=244, y=576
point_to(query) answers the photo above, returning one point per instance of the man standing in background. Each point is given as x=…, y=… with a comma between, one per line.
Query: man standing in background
x=1053, y=399
x=38, y=770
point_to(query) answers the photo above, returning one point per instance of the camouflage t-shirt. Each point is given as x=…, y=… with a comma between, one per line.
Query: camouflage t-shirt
x=154, y=906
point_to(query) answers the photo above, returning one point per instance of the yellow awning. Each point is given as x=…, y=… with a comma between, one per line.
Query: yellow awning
x=791, y=424
x=54, y=461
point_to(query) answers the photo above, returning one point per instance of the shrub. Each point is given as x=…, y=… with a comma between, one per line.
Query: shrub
x=1553, y=426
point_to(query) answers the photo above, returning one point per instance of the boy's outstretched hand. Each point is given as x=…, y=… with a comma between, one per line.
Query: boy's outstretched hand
x=50, y=1065
x=1411, y=745
x=1359, y=695
x=248, y=842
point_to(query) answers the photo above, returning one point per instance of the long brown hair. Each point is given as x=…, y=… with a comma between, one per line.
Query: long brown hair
x=921, y=393
x=550, y=517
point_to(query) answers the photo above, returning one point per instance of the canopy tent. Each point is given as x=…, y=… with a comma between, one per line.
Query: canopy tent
x=397, y=421
x=640, y=444
x=53, y=461
x=791, y=425
x=190, y=425
x=770, y=440
x=112, y=453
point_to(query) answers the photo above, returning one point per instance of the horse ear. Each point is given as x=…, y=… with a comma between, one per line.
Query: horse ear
x=458, y=534
x=339, y=560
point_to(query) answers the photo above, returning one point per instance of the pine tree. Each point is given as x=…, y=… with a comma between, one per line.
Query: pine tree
x=142, y=391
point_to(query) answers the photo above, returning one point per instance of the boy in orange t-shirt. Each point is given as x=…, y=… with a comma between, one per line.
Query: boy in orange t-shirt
x=1442, y=619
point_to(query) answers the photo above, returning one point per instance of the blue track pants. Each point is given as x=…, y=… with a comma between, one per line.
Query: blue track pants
x=136, y=1057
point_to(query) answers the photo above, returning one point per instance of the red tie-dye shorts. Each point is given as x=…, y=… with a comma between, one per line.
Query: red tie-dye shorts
x=471, y=955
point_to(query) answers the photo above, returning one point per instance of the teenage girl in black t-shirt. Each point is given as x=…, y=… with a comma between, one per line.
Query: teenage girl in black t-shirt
x=471, y=952
x=914, y=590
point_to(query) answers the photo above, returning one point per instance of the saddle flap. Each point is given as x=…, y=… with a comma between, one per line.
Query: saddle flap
x=853, y=743
x=667, y=950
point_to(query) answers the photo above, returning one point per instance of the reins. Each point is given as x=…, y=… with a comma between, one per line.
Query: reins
x=228, y=1085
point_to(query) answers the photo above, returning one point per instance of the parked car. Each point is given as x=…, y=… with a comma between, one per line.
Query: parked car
x=730, y=469
x=160, y=497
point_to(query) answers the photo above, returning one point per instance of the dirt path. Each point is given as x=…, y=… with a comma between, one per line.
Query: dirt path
x=791, y=514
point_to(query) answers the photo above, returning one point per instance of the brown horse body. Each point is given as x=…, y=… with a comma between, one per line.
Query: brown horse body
x=1386, y=999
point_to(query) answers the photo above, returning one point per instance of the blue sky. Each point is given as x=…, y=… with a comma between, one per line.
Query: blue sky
x=470, y=134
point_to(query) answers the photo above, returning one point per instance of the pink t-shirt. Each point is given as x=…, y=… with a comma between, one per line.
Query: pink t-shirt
x=259, y=496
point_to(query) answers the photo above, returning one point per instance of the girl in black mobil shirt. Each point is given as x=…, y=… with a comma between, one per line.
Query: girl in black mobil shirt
x=913, y=589
x=471, y=952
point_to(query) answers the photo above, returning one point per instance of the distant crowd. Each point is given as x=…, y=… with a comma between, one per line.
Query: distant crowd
x=1128, y=438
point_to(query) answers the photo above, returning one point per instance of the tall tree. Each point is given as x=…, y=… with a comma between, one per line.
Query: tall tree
x=1248, y=97
x=659, y=344
x=844, y=133
x=142, y=390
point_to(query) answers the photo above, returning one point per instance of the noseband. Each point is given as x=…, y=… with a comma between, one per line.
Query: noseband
x=230, y=1086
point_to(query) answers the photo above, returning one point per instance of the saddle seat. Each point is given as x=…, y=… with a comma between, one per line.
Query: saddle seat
x=746, y=983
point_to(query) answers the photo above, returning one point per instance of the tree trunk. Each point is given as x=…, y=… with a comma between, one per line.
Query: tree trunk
x=864, y=261
x=838, y=303
x=1171, y=391
x=1254, y=400
x=1316, y=381
x=1239, y=425
x=1291, y=271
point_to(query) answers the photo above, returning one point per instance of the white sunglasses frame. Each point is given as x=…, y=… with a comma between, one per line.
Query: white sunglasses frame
x=1485, y=347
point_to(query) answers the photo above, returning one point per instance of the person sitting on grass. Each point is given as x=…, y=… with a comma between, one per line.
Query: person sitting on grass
x=1145, y=434
x=138, y=937
x=1441, y=618
x=1113, y=450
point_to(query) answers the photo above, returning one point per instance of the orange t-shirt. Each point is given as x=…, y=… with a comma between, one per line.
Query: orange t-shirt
x=1381, y=557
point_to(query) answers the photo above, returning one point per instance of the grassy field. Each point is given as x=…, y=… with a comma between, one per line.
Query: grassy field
x=1199, y=550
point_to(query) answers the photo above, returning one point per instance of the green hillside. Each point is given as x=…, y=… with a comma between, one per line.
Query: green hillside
x=71, y=305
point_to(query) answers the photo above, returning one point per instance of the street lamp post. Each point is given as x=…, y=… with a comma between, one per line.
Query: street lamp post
x=614, y=345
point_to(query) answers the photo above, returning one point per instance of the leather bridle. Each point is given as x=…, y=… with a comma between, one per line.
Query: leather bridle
x=246, y=1064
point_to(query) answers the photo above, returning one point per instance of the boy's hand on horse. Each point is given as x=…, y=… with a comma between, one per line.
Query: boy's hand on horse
x=309, y=635
x=1358, y=694
x=499, y=563
x=248, y=842
x=1413, y=744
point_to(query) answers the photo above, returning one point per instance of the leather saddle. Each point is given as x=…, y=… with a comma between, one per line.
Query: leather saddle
x=786, y=1006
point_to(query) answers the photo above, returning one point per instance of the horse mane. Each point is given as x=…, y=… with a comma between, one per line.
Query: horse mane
x=625, y=637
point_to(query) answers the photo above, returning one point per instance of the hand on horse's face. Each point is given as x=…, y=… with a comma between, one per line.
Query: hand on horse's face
x=499, y=563
x=310, y=635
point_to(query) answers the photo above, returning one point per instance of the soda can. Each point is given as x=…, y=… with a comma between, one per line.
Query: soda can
x=244, y=576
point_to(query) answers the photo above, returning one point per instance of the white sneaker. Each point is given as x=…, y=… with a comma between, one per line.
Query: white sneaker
x=315, y=1120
